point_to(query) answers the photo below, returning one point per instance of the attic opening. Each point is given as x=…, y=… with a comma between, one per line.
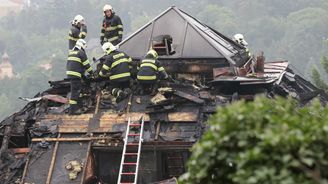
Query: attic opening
x=163, y=45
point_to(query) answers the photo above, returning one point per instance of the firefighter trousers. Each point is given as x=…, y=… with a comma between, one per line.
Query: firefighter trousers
x=76, y=86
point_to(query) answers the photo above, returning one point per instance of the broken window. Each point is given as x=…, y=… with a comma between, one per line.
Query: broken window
x=163, y=45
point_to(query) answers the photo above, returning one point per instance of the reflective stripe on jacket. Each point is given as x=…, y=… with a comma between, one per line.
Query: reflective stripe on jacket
x=77, y=64
x=118, y=65
x=76, y=33
x=149, y=70
x=112, y=30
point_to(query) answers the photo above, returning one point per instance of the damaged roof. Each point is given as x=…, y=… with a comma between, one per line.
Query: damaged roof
x=39, y=141
x=191, y=39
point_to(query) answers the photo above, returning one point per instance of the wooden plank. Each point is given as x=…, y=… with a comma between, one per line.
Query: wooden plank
x=190, y=97
x=86, y=162
x=66, y=139
x=113, y=117
x=72, y=129
x=84, y=117
x=53, y=160
x=84, y=130
x=98, y=101
x=20, y=150
x=183, y=116
x=25, y=171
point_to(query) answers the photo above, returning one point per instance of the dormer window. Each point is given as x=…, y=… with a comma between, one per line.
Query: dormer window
x=163, y=45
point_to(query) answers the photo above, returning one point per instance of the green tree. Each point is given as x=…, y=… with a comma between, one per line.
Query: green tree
x=318, y=81
x=265, y=141
x=305, y=30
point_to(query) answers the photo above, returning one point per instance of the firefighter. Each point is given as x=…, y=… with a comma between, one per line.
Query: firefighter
x=117, y=66
x=78, y=31
x=77, y=65
x=112, y=28
x=150, y=70
x=239, y=38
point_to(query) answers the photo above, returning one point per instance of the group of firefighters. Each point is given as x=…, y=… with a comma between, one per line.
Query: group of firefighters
x=116, y=66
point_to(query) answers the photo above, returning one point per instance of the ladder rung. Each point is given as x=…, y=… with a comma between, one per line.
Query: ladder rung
x=129, y=173
x=131, y=154
x=135, y=124
x=133, y=134
x=130, y=163
x=133, y=144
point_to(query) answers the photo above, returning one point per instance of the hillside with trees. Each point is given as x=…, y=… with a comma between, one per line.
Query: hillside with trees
x=284, y=29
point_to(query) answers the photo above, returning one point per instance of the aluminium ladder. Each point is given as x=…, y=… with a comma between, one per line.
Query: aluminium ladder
x=130, y=160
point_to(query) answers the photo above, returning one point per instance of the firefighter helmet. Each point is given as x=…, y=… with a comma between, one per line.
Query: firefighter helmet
x=107, y=7
x=81, y=44
x=239, y=38
x=108, y=47
x=153, y=53
x=78, y=19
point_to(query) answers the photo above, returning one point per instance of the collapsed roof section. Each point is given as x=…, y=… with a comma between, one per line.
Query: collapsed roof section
x=190, y=39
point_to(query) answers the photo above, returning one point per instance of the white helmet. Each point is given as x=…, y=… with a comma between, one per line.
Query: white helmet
x=81, y=44
x=239, y=38
x=153, y=53
x=107, y=7
x=108, y=47
x=78, y=19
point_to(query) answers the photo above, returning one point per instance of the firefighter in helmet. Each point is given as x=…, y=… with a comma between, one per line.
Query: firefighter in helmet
x=77, y=31
x=77, y=65
x=149, y=71
x=117, y=66
x=112, y=28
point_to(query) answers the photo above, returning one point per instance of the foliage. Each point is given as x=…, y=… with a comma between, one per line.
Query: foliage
x=316, y=77
x=318, y=81
x=264, y=141
x=305, y=31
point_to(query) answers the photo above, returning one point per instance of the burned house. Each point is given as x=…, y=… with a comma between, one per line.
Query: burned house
x=144, y=135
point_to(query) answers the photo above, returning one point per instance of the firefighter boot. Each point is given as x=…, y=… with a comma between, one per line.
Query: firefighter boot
x=119, y=94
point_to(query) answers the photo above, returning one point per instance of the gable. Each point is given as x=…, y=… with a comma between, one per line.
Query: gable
x=190, y=38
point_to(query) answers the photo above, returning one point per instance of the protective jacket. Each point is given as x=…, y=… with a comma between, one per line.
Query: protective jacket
x=118, y=65
x=150, y=70
x=111, y=30
x=77, y=64
x=76, y=33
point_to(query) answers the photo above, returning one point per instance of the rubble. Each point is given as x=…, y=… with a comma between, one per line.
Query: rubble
x=75, y=167
x=38, y=141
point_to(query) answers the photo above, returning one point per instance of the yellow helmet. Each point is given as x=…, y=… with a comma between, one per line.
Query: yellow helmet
x=153, y=53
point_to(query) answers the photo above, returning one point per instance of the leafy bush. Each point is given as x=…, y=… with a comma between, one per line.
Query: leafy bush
x=265, y=141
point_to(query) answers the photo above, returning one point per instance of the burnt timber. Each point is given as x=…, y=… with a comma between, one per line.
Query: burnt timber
x=39, y=141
